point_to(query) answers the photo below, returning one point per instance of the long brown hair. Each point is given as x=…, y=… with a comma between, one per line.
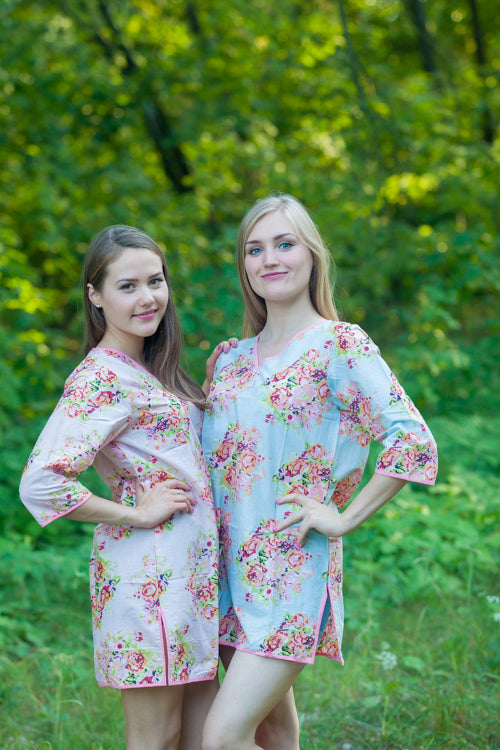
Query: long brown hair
x=320, y=286
x=162, y=350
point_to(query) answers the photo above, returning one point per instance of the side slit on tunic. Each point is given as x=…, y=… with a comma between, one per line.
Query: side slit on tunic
x=117, y=416
x=300, y=421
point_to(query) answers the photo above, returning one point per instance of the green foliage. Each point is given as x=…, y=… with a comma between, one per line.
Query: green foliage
x=442, y=540
x=174, y=117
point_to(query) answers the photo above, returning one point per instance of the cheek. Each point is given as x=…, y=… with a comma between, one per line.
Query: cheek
x=165, y=298
x=250, y=266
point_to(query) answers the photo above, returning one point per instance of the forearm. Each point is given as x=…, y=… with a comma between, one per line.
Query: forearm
x=100, y=510
x=376, y=492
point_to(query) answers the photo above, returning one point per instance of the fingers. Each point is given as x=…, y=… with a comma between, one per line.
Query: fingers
x=175, y=484
x=226, y=346
x=183, y=501
x=289, y=521
x=293, y=497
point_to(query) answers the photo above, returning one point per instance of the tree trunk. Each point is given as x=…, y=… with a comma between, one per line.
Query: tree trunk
x=416, y=10
x=482, y=60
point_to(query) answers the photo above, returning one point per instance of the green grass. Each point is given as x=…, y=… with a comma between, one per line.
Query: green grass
x=421, y=676
x=422, y=639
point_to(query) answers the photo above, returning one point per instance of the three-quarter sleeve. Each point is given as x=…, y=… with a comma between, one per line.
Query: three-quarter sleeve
x=91, y=412
x=373, y=405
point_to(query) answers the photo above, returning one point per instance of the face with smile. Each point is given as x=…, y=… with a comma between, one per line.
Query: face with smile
x=277, y=263
x=133, y=299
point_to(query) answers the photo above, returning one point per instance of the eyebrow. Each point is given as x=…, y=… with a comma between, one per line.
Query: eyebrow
x=152, y=276
x=277, y=237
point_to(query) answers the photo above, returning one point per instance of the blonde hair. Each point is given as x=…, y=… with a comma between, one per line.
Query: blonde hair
x=320, y=286
x=162, y=350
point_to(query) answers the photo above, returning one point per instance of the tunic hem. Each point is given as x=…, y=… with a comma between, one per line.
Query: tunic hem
x=275, y=656
x=177, y=683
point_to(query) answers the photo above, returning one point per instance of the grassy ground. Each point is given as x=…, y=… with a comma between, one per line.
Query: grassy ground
x=417, y=677
x=422, y=639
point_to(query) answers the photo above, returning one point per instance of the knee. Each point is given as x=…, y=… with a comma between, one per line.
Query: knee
x=172, y=737
x=212, y=741
x=277, y=734
x=218, y=737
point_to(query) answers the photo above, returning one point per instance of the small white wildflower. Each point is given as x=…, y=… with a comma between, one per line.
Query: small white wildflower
x=387, y=659
x=496, y=616
x=346, y=746
x=493, y=599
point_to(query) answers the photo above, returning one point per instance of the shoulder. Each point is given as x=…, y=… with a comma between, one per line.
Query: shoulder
x=349, y=338
x=237, y=354
x=99, y=381
x=96, y=367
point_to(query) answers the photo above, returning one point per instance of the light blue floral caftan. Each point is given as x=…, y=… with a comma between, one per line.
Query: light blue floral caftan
x=301, y=421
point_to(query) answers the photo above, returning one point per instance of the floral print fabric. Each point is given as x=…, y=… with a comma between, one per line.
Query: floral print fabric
x=145, y=583
x=299, y=422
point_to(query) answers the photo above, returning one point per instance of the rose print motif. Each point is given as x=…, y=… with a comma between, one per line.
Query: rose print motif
x=235, y=461
x=181, y=655
x=201, y=574
x=155, y=577
x=357, y=420
x=164, y=429
x=124, y=661
x=309, y=474
x=298, y=395
x=294, y=637
x=399, y=396
x=81, y=399
x=103, y=585
x=352, y=340
x=223, y=518
x=346, y=487
x=329, y=642
x=271, y=565
x=410, y=457
x=229, y=383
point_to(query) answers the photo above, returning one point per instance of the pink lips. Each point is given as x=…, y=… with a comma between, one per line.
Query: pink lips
x=146, y=315
x=275, y=275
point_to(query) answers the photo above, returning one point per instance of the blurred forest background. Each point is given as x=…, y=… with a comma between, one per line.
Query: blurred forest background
x=382, y=116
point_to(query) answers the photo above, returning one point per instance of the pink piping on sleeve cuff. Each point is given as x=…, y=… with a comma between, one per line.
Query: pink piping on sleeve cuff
x=403, y=476
x=46, y=521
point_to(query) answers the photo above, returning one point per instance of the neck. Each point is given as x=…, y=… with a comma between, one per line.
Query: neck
x=133, y=348
x=284, y=321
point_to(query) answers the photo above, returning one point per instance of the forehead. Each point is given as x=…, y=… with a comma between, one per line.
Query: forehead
x=134, y=261
x=270, y=225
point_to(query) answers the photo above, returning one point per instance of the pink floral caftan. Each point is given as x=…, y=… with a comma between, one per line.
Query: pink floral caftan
x=301, y=421
x=145, y=583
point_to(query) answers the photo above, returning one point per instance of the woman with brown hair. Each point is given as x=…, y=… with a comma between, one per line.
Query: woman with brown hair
x=133, y=413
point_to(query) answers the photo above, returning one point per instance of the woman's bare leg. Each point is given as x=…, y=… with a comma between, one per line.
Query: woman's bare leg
x=252, y=687
x=280, y=729
x=198, y=698
x=153, y=717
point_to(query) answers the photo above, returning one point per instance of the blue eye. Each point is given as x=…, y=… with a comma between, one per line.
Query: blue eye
x=285, y=245
x=254, y=251
x=126, y=287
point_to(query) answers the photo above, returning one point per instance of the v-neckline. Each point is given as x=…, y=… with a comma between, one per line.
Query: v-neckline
x=258, y=364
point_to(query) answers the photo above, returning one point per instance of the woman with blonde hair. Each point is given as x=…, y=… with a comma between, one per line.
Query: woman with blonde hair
x=293, y=410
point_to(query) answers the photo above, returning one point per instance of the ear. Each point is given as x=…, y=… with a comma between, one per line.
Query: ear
x=94, y=296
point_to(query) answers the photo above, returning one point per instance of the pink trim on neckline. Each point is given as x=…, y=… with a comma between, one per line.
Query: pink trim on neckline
x=274, y=356
x=122, y=354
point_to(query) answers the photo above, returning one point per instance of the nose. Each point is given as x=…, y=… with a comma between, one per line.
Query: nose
x=269, y=256
x=146, y=296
